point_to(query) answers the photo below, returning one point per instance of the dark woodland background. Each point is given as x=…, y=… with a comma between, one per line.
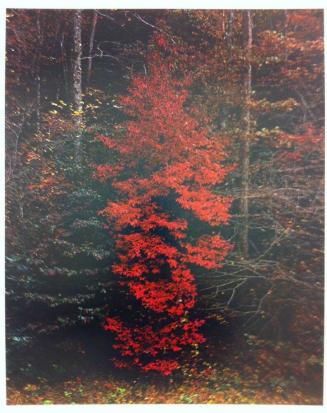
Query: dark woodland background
x=259, y=76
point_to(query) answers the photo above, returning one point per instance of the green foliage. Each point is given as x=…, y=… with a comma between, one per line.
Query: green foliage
x=47, y=402
x=186, y=399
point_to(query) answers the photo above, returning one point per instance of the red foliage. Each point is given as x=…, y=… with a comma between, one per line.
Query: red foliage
x=139, y=342
x=171, y=163
x=298, y=147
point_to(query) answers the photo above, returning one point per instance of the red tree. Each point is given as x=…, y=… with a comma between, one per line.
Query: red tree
x=164, y=162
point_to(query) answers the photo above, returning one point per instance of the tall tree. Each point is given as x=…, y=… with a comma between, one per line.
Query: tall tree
x=246, y=138
x=37, y=70
x=165, y=168
x=77, y=83
x=91, y=43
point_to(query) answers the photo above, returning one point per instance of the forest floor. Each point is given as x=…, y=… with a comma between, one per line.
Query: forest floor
x=227, y=370
x=229, y=387
x=214, y=384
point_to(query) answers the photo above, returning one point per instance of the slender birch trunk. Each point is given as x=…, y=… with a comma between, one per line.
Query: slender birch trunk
x=65, y=70
x=90, y=61
x=77, y=83
x=245, y=151
x=38, y=72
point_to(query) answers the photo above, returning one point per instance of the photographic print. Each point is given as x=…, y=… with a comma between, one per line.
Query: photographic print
x=164, y=206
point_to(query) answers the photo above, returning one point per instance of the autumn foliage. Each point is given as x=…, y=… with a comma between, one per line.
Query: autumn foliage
x=134, y=269
x=165, y=164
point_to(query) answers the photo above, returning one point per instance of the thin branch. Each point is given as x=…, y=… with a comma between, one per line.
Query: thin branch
x=152, y=25
x=234, y=292
x=104, y=15
x=258, y=310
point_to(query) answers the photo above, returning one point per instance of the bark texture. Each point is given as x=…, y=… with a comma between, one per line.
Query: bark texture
x=94, y=25
x=245, y=155
x=77, y=83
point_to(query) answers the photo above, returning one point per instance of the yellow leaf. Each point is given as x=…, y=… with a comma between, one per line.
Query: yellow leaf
x=77, y=113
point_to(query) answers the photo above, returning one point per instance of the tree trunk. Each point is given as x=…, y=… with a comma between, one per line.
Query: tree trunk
x=286, y=19
x=245, y=150
x=38, y=72
x=230, y=28
x=77, y=83
x=64, y=67
x=89, y=66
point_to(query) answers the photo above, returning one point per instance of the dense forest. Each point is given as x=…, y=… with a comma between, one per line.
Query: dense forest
x=164, y=206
